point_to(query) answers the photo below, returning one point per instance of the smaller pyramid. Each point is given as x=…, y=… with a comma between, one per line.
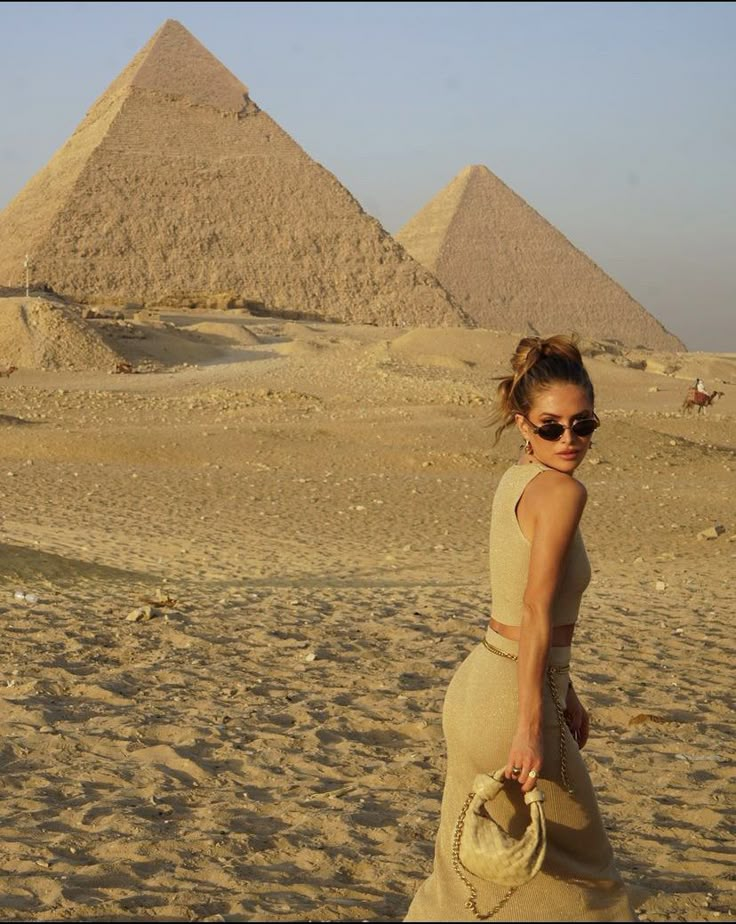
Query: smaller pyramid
x=510, y=269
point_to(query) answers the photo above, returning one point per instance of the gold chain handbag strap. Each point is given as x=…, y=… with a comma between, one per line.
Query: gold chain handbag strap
x=552, y=669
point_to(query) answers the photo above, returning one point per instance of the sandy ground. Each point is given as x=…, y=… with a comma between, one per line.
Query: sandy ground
x=305, y=507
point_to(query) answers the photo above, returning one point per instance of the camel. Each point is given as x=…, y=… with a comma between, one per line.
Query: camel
x=6, y=373
x=699, y=399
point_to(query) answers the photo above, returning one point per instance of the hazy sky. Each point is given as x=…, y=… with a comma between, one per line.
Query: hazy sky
x=615, y=121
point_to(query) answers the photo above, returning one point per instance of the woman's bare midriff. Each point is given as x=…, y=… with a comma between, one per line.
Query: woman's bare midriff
x=561, y=635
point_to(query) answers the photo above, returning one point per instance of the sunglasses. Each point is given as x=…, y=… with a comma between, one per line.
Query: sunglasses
x=552, y=430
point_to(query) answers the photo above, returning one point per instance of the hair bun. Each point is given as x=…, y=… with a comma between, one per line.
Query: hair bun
x=528, y=351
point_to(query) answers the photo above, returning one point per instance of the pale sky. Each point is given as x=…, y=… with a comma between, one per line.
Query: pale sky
x=615, y=121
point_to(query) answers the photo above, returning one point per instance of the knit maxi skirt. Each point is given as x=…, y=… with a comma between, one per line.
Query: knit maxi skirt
x=578, y=880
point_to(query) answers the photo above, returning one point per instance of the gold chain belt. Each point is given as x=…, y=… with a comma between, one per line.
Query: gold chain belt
x=552, y=669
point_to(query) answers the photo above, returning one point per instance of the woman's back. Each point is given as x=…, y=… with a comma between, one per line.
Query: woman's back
x=509, y=553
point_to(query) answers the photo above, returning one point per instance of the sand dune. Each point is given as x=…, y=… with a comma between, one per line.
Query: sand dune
x=39, y=333
x=255, y=575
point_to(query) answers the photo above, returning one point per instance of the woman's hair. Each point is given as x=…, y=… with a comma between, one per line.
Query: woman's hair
x=537, y=364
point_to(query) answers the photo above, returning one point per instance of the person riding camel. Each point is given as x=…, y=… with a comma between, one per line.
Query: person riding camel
x=700, y=386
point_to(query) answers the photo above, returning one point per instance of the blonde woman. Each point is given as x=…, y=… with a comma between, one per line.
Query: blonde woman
x=511, y=704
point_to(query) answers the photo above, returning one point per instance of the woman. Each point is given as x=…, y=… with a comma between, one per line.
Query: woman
x=511, y=703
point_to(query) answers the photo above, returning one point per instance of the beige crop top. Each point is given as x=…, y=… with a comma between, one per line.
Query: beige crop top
x=510, y=550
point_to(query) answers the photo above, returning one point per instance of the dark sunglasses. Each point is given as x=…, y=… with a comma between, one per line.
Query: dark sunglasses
x=552, y=430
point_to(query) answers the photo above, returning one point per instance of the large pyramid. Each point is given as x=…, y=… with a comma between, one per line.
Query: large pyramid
x=510, y=269
x=176, y=187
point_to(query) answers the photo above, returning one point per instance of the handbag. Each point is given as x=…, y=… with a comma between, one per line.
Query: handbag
x=485, y=850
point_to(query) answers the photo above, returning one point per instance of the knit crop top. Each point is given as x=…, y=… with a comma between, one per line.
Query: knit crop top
x=510, y=552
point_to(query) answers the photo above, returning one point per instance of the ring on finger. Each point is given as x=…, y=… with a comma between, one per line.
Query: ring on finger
x=533, y=774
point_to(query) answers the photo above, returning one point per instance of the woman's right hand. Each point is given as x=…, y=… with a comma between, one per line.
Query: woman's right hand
x=576, y=718
x=525, y=756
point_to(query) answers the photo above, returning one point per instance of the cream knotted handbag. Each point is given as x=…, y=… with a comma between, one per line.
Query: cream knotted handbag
x=485, y=850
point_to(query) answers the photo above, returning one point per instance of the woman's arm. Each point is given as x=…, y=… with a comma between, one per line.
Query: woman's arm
x=553, y=504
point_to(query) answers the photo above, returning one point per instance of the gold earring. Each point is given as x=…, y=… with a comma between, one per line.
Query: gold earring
x=528, y=449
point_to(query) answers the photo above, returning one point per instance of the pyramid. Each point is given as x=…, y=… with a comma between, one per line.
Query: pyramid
x=177, y=189
x=510, y=269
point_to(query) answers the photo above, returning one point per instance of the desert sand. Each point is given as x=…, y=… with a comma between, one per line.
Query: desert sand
x=255, y=563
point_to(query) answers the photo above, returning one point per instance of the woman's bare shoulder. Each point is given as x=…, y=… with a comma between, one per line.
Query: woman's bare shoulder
x=555, y=489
